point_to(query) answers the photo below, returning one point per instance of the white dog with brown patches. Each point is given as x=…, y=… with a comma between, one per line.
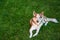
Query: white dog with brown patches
x=37, y=21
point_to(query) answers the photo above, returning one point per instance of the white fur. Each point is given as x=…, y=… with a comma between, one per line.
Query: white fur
x=41, y=22
x=50, y=20
x=37, y=28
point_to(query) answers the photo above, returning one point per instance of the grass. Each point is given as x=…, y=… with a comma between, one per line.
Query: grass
x=15, y=16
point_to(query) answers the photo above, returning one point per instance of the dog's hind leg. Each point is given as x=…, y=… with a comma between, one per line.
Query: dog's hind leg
x=37, y=31
x=30, y=31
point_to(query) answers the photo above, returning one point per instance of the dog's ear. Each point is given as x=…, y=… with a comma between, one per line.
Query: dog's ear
x=34, y=13
x=42, y=13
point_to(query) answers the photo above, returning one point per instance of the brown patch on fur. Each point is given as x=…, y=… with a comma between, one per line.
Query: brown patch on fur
x=33, y=21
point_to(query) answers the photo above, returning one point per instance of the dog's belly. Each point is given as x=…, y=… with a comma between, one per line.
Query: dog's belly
x=34, y=27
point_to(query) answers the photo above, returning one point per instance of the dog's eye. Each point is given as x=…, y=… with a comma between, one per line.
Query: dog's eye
x=40, y=17
x=37, y=21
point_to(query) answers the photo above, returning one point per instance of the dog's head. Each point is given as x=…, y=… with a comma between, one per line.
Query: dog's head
x=38, y=15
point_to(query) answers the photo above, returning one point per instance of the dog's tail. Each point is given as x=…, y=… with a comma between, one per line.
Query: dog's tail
x=52, y=20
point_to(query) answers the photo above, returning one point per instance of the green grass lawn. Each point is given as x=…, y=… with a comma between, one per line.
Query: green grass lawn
x=15, y=16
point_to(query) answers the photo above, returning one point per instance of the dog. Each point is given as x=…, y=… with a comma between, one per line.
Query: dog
x=37, y=21
x=34, y=23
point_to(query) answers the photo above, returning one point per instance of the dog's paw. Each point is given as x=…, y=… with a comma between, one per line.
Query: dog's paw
x=34, y=35
x=30, y=36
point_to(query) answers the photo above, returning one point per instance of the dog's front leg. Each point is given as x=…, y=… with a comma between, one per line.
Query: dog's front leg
x=46, y=23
